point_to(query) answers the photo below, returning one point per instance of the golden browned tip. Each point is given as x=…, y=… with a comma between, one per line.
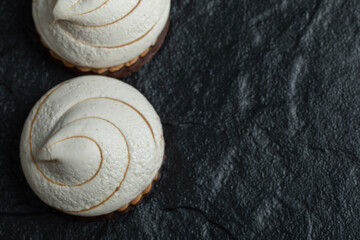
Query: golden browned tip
x=123, y=208
x=84, y=69
x=136, y=200
x=116, y=68
x=67, y=64
x=144, y=53
x=148, y=189
x=99, y=70
x=131, y=62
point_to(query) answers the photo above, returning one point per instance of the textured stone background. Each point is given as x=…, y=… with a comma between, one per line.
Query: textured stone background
x=260, y=106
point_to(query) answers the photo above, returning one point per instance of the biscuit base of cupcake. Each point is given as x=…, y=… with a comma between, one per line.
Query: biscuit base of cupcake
x=119, y=71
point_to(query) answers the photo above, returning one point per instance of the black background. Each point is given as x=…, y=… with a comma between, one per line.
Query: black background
x=260, y=106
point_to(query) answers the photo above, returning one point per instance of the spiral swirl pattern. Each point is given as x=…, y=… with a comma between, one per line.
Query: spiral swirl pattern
x=100, y=33
x=91, y=145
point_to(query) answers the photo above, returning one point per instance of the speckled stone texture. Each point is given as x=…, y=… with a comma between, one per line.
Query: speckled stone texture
x=260, y=106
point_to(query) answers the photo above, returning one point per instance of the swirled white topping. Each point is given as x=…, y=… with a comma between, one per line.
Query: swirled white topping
x=91, y=145
x=100, y=33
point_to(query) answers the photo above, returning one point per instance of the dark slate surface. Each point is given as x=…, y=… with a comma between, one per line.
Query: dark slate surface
x=260, y=106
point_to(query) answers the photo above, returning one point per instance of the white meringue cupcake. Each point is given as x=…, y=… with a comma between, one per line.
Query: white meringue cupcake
x=108, y=37
x=92, y=146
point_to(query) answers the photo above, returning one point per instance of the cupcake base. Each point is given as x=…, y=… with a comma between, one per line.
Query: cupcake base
x=119, y=71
